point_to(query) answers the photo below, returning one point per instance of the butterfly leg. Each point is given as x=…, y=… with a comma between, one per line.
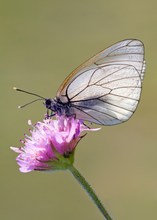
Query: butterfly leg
x=47, y=115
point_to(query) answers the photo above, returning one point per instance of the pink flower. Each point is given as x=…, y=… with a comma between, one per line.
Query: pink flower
x=51, y=144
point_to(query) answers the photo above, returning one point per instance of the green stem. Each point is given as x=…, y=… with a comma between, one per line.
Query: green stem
x=89, y=190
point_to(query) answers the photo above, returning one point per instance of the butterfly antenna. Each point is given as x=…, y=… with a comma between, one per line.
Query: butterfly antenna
x=30, y=93
x=22, y=106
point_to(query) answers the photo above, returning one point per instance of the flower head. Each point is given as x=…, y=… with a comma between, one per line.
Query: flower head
x=51, y=144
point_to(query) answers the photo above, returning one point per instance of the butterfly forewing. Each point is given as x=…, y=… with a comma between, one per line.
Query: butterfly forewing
x=106, y=89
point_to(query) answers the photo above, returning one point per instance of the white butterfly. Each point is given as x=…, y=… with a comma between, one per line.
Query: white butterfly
x=105, y=89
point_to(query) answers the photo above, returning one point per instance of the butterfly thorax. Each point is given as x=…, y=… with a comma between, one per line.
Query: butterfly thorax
x=58, y=107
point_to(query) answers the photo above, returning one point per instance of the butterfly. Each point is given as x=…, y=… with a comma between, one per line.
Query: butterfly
x=106, y=88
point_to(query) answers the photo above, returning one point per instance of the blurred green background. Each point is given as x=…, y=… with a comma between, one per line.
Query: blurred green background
x=41, y=42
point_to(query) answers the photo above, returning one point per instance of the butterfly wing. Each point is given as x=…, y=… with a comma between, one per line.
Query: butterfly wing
x=106, y=89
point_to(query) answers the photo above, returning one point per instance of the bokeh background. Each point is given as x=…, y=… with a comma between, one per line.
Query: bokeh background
x=41, y=42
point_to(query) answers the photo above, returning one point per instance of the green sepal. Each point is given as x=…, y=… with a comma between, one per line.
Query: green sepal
x=61, y=162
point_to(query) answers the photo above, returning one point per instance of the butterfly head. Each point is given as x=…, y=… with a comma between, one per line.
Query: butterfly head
x=51, y=104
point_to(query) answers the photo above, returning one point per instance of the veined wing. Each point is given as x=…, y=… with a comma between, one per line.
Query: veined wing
x=106, y=89
x=130, y=51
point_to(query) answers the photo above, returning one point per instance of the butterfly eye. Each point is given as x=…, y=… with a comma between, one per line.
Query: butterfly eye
x=48, y=103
